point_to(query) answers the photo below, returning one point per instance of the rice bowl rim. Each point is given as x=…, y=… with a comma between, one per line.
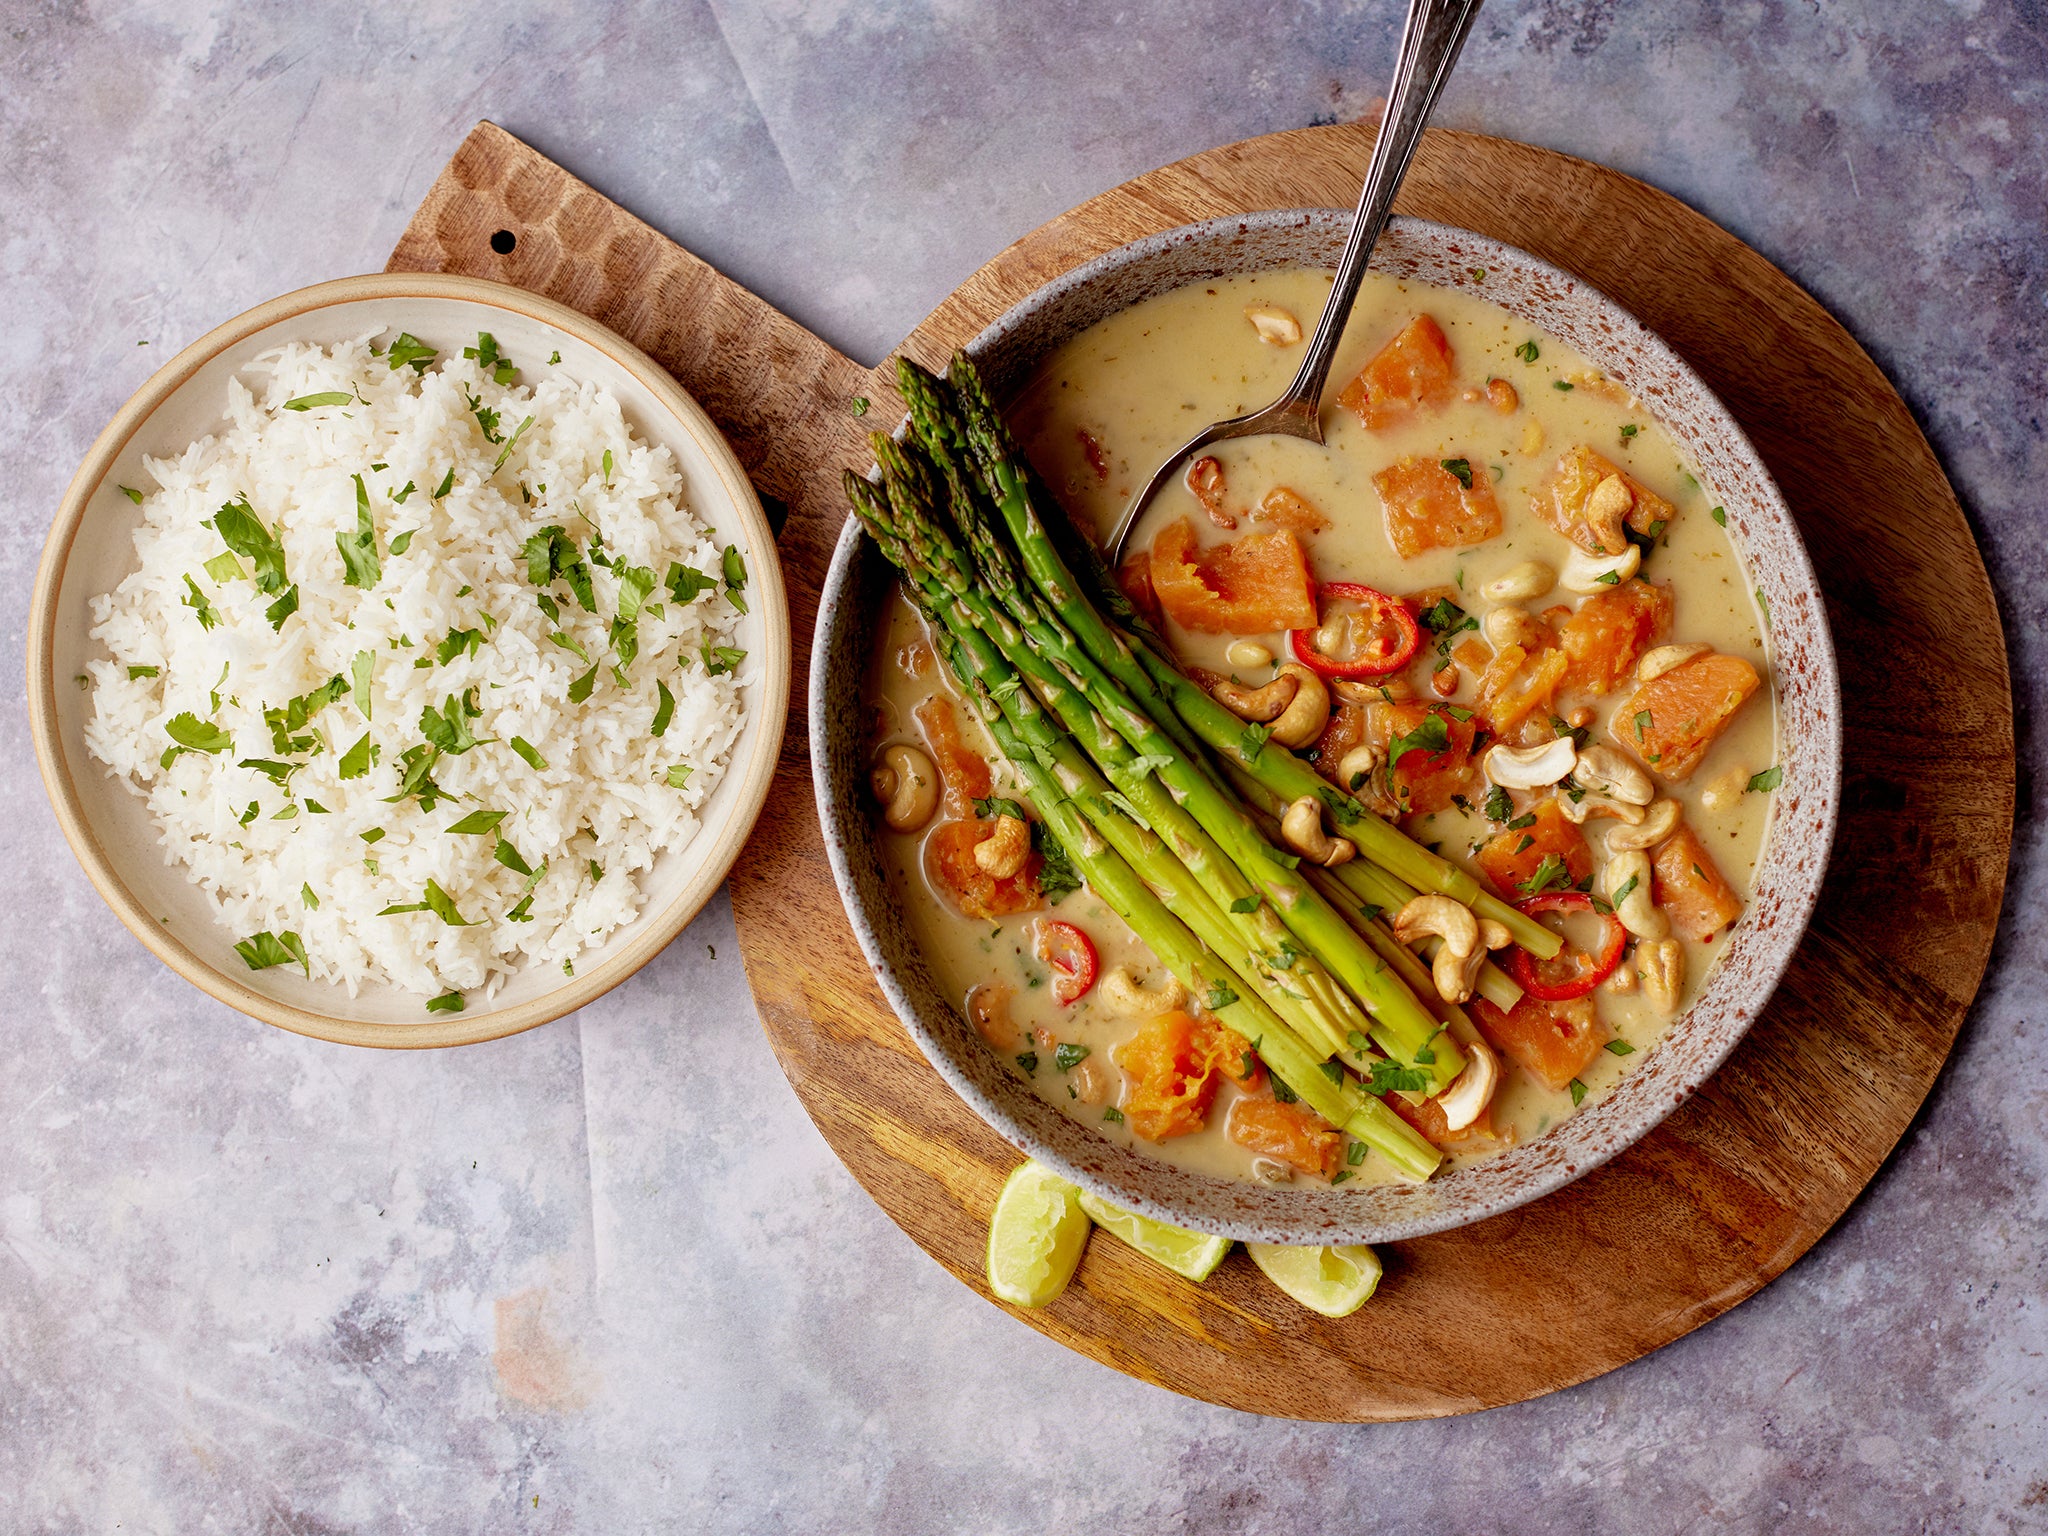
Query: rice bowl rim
x=711, y=852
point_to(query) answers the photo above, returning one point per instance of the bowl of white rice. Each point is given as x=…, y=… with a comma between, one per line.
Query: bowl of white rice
x=408, y=661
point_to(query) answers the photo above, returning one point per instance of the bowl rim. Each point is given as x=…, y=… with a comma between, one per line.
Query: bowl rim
x=649, y=932
x=1796, y=894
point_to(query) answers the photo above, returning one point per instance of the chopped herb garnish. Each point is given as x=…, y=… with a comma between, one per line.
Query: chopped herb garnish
x=355, y=762
x=223, y=567
x=263, y=950
x=554, y=358
x=1113, y=1115
x=1355, y=1153
x=490, y=359
x=1389, y=1076
x=720, y=659
x=447, y=1002
x=197, y=735
x=1578, y=1093
x=278, y=773
x=1429, y=737
x=1029, y=1062
x=447, y=728
x=131, y=493
x=325, y=397
x=1282, y=1092
x=434, y=900
x=457, y=642
x=1768, y=780
x=1629, y=430
x=1550, y=874
x=1609, y=578
x=1620, y=1048
x=552, y=553
x=307, y=899
x=1623, y=891
x=1253, y=742
x=510, y=442
x=685, y=582
x=1341, y=1174
x=1068, y=1055
x=860, y=405
x=409, y=349
x=607, y=469
x=1245, y=904
x=359, y=550
x=374, y=835
x=476, y=823
x=508, y=856
x=1220, y=997
x=447, y=484
x=202, y=610
x=1528, y=352
x=135, y=672
x=1560, y=384
x=1642, y=723
x=248, y=815
x=664, y=711
x=526, y=750
x=1765, y=604
x=678, y=776
x=1720, y=515
x=735, y=570
x=579, y=690
x=1462, y=468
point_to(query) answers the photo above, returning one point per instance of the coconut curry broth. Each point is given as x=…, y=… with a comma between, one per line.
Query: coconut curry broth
x=1118, y=397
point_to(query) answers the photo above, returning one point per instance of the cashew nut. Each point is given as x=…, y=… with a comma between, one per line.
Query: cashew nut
x=1509, y=625
x=1589, y=573
x=1591, y=803
x=1128, y=998
x=1657, y=823
x=1248, y=653
x=1625, y=881
x=1530, y=767
x=1518, y=584
x=1661, y=964
x=1302, y=830
x=907, y=785
x=1354, y=768
x=1606, y=771
x=1500, y=394
x=1456, y=966
x=1466, y=1099
x=1610, y=502
x=1307, y=714
x=1532, y=439
x=1621, y=980
x=1276, y=327
x=1090, y=1081
x=988, y=1006
x=1269, y=1170
x=1726, y=791
x=1667, y=658
x=1391, y=689
x=1259, y=704
x=1003, y=851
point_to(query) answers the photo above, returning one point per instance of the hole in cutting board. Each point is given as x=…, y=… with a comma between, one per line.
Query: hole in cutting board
x=503, y=242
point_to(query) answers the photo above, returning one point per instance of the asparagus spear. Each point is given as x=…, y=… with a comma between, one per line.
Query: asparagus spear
x=1209, y=721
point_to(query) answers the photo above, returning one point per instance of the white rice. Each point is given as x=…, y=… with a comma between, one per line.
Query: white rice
x=603, y=803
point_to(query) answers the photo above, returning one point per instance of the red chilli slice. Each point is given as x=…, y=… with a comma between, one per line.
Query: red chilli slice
x=1070, y=955
x=1529, y=971
x=1395, y=635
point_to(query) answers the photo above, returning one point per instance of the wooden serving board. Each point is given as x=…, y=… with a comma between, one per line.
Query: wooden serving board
x=1742, y=1179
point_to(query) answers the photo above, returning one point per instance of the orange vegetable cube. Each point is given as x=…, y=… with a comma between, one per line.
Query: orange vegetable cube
x=1692, y=892
x=1553, y=1042
x=1426, y=776
x=1248, y=586
x=1427, y=1118
x=1429, y=507
x=1292, y=1133
x=1510, y=691
x=961, y=768
x=949, y=866
x=1604, y=640
x=1567, y=502
x=1175, y=1069
x=1134, y=576
x=1411, y=373
x=1291, y=510
x=1345, y=731
x=1513, y=855
x=1672, y=720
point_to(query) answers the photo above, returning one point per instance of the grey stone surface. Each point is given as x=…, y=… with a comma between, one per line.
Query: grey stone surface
x=605, y=1276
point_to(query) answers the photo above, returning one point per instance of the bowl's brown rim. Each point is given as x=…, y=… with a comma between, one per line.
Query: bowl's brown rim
x=650, y=932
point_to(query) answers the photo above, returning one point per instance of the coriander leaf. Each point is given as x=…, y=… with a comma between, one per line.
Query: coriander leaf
x=1219, y=998
x=447, y=1002
x=1720, y=515
x=1429, y=737
x=278, y=773
x=664, y=711
x=1642, y=723
x=284, y=607
x=359, y=550
x=1389, y=1076
x=1620, y=1048
x=1113, y=1115
x=1498, y=806
x=1057, y=877
x=1765, y=604
x=1551, y=873
x=1609, y=578
x=508, y=856
x=249, y=815
x=1355, y=1153
x=409, y=349
x=1621, y=893
x=434, y=900
x=1528, y=352
x=197, y=735
x=355, y=762
x=243, y=532
x=447, y=484
x=1560, y=384
x=1462, y=468
x=1579, y=1091
x=490, y=359
x=418, y=779
x=1282, y=1092
x=1526, y=819
x=131, y=493
x=476, y=823
x=359, y=673
x=526, y=750
x=685, y=582
x=860, y=405
x=486, y=418
x=1245, y=904
x=263, y=950
x=1067, y=1055
x=403, y=542
x=735, y=567
x=719, y=659
x=678, y=776
x=325, y=397
x=448, y=727
x=1768, y=780
x=607, y=461
x=374, y=835
x=579, y=690
x=636, y=585
x=1253, y=742
x=307, y=899
x=202, y=610
x=136, y=672
x=505, y=452
x=570, y=644
x=223, y=567
x=458, y=642
x=996, y=805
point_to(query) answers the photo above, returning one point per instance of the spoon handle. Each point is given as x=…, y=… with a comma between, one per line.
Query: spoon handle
x=1430, y=40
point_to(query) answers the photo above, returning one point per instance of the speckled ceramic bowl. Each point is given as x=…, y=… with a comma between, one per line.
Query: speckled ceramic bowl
x=1788, y=879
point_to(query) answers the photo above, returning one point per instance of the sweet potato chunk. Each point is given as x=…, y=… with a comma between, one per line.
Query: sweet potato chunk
x=1692, y=892
x=1289, y=509
x=1672, y=720
x=1345, y=731
x=1551, y=1041
x=965, y=775
x=1604, y=640
x=1428, y=1119
x=1293, y=1134
x=1571, y=501
x=1425, y=778
x=1135, y=577
x=1411, y=373
x=949, y=866
x=1248, y=586
x=1513, y=856
x=1515, y=685
x=1175, y=1068
x=1428, y=507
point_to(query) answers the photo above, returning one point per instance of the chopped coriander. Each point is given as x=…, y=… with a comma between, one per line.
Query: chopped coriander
x=131, y=493
x=685, y=582
x=607, y=469
x=1620, y=1048
x=486, y=418
x=1113, y=1115
x=308, y=899
x=314, y=807
x=325, y=397
x=359, y=550
x=1525, y=844
x=1528, y=352
x=278, y=773
x=249, y=814
x=202, y=610
x=1282, y=1092
x=1642, y=723
x=447, y=484
x=1355, y=1153
x=1720, y=515
x=1068, y=1055
x=409, y=349
x=1578, y=1093
x=1339, y=1177
x=490, y=359
x=678, y=776
x=1768, y=780
x=664, y=711
x=456, y=642
x=720, y=659
x=136, y=672
x=476, y=823
x=418, y=779
x=1334, y=1071
x=596, y=872
x=360, y=670
x=1389, y=1076
x=734, y=566
x=434, y=900
x=1609, y=578
x=403, y=542
x=1029, y=1062
x=1765, y=604
x=1629, y=430
x=579, y=690
x=1245, y=904
x=1561, y=384
x=263, y=950
x=509, y=856
x=1462, y=468
x=860, y=405
x=551, y=553
x=570, y=644
x=526, y=750
x=223, y=567
x=1253, y=742
x=1551, y=873
x=1429, y=737
x=506, y=452
x=374, y=835
x=447, y=728
x=554, y=358
x=1623, y=891
x=197, y=735
x=447, y=1002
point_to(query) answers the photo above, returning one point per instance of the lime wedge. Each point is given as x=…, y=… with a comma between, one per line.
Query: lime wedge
x=1035, y=1237
x=1333, y=1281
x=1184, y=1252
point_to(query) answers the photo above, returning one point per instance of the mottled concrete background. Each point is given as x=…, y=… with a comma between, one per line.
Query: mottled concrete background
x=605, y=1277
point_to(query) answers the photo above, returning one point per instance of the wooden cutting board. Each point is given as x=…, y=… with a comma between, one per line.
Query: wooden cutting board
x=1741, y=1180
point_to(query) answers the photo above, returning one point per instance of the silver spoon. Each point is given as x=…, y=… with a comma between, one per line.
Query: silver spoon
x=1430, y=40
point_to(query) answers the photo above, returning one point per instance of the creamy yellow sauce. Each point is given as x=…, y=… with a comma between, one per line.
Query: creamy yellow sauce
x=1117, y=398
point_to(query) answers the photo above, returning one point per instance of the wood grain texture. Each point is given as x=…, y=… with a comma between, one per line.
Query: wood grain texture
x=1742, y=1179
